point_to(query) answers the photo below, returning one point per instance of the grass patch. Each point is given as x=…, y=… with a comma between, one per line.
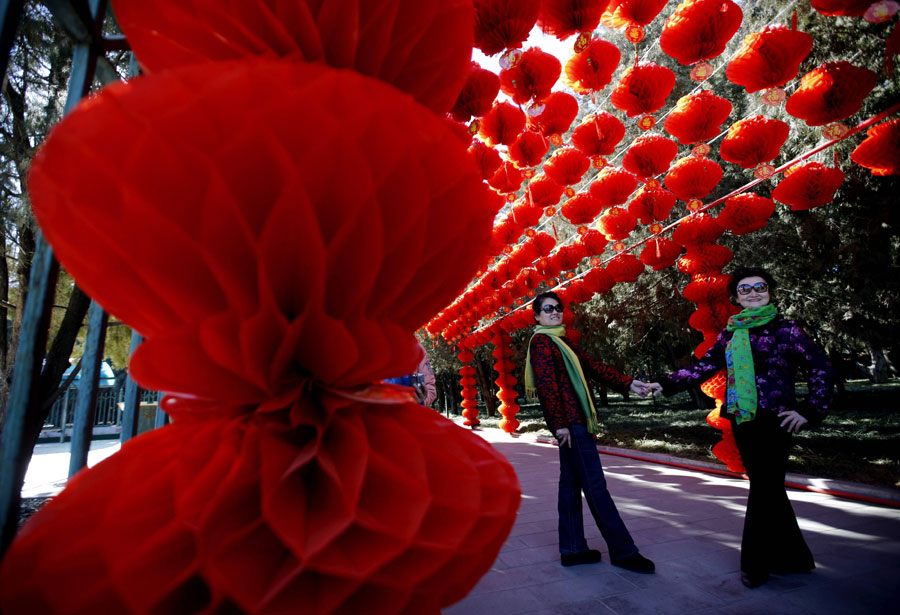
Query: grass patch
x=859, y=441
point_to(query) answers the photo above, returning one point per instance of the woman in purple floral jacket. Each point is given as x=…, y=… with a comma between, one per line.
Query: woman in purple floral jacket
x=762, y=352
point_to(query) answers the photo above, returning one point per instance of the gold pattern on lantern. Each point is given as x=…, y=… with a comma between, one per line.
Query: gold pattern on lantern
x=556, y=140
x=835, y=131
x=882, y=11
x=647, y=122
x=510, y=58
x=550, y=211
x=700, y=150
x=656, y=228
x=763, y=171
x=474, y=127
x=702, y=71
x=599, y=162
x=595, y=260
x=581, y=230
x=619, y=246
x=634, y=34
x=569, y=275
x=569, y=191
x=694, y=205
x=773, y=97
x=511, y=197
x=652, y=183
x=530, y=233
x=582, y=42
x=528, y=173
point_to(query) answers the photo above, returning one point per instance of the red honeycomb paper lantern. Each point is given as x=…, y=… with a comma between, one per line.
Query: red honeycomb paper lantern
x=693, y=177
x=396, y=46
x=880, y=151
x=592, y=69
x=502, y=24
x=598, y=281
x=705, y=288
x=625, y=268
x=487, y=159
x=746, y=213
x=842, y=8
x=651, y=205
x=697, y=117
x=754, y=140
x=613, y=186
x=461, y=131
x=622, y=13
x=507, y=179
x=704, y=258
x=598, y=134
x=559, y=111
x=506, y=232
x=769, y=58
x=563, y=18
x=570, y=256
x=593, y=242
x=532, y=77
x=255, y=295
x=529, y=149
x=700, y=29
x=808, y=185
x=526, y=214
x=617, y=223
x=832, y=92
x=566, y=166
x=660, y=253
x=643, y=88
x=477, y=95
x=543, y=191
x=581, y=208
x=502, y=124
x=698, y=229
x=649, y=155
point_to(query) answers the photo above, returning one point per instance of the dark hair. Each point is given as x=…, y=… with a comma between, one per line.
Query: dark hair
x=749, y=272
x=539, y=301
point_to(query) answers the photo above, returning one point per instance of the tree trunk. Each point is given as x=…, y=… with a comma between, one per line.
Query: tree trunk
x=879, y=367
x=482, y=374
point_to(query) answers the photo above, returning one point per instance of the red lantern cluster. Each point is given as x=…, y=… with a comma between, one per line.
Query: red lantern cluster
x=563, y=18
x=880, y=152
x=746, y=213
x=506, y=382
x=487, y=159
x=693, y=177
x=649, y=155
x=700, y=29
x=503, y=24
x=643, y=88
x=697, y=117
x=532, y=77
x=769, y=58
x=592, y=69
x=469, y=392
x=831, y=92
x=808, y=185
x=477, y=95
x=598, y=134
x=754, y=140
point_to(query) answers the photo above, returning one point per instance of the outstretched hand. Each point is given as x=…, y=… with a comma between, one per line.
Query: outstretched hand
x=639, y=388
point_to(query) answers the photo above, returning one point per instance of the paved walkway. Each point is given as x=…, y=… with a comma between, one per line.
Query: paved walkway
x=688, y=522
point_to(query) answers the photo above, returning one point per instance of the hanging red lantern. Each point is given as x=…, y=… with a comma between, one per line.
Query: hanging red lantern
x=563, y=18
x=700, y=29
x=460, y=130
x=711, y=318
x=559, y=110
x=697, y=117
x=592, y=69
x=598, y=134
x=522, y=255
x=693, y=177
x=620, y=13
x=529, y=149
x=660, y=253
x=842, y=8
x=697, y=229
x=581, y=208
x=593, y=242
x=548, y=268
x=769, y=58
x=652, y=204
x=477, y=95
x=529, y=278
x=502, y=124
x=704, y=258
x=526, y=214
x=880, y=152
x=807, y=186
x=486, y=158
x=570, y=256
x=643, y=88
x=598, y=280
x=754, y=140
x=532, y=77
x=503, y=24
x=506, y=232
x=507, y=179
x=543, y=243
x=613, y=186
x=832, y=92
x=745, y=213
x=649, y=155
x=617, y=223
x=625, y=268
x=543, y=191
x=707, y=288
x=566, y=166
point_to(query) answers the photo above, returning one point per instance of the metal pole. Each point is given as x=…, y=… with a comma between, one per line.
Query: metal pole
x=161, y=417
x=83, y=423
x=132, y=398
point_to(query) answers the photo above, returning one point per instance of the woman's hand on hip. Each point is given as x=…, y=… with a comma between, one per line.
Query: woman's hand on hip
x=793, y=420
x=564, y=437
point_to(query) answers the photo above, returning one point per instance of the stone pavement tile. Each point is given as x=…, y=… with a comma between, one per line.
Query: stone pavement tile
x=535, y=527
x=526, y=557
x=662, y=598
x=586, y=607
x=604, y=582
x=508, y=578
x=871, y=594
x=540, y=540
x=677, y=549
x=506, y=602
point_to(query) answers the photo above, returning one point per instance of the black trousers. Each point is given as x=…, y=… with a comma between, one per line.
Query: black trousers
x=772, y=541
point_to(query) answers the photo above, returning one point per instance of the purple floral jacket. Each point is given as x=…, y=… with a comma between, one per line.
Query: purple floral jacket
x=779, y=349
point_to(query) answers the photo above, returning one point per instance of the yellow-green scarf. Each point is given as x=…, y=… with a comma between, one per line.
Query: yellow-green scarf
x=573, y=368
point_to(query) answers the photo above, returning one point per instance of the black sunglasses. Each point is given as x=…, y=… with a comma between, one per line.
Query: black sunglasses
x=759, y=287
x=548, y=309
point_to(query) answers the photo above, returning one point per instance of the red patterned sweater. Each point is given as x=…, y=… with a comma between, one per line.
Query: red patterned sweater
x=555, y=391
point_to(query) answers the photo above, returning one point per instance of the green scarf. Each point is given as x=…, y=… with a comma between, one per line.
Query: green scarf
x=573, y=368
x=741, y=397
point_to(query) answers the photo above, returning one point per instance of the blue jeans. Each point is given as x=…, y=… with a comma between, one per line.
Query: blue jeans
x=580, y=470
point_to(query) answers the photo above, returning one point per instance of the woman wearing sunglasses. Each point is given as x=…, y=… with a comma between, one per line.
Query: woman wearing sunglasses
x=762, y=352
x=557, y=373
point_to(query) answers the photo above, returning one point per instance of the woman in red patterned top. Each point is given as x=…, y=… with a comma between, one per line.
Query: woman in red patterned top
x=557, y=371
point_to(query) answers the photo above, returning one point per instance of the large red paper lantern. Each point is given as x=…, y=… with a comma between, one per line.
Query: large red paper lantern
x=700, y=29
x=660, y=253
x=769, y=58
x=693, y=177
x=502, y=124
x=834, y=91
x=643, y=88
x=697, y=117
x=507, y=179
x=621, y=13
x=526, y=214
x=532, y=77
x=543, y=191
x=844, y=8
x=570, y=256
x=880, y=152
x=566, y=166
x=705, y=288
x=557, y=113
x=502, y=24
x=697, y=229
x=625, y=268
x=598, y=134
x=591, y=70
x=281, y=294
x=617, y=223
x=613, y=186
x=563, y=18
x=651, y=205
x=808, y=185
x=477, y=95
x=649, y=155
x=704, y=258
x=593, y=242
x=710, y=318
x=598, y=280
x=395, y=44
x=581, y=208
x=505, y=233
x=754, y=140
x=460, y=130
x=529, y=149
x=746, y=213
x=487, y=159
